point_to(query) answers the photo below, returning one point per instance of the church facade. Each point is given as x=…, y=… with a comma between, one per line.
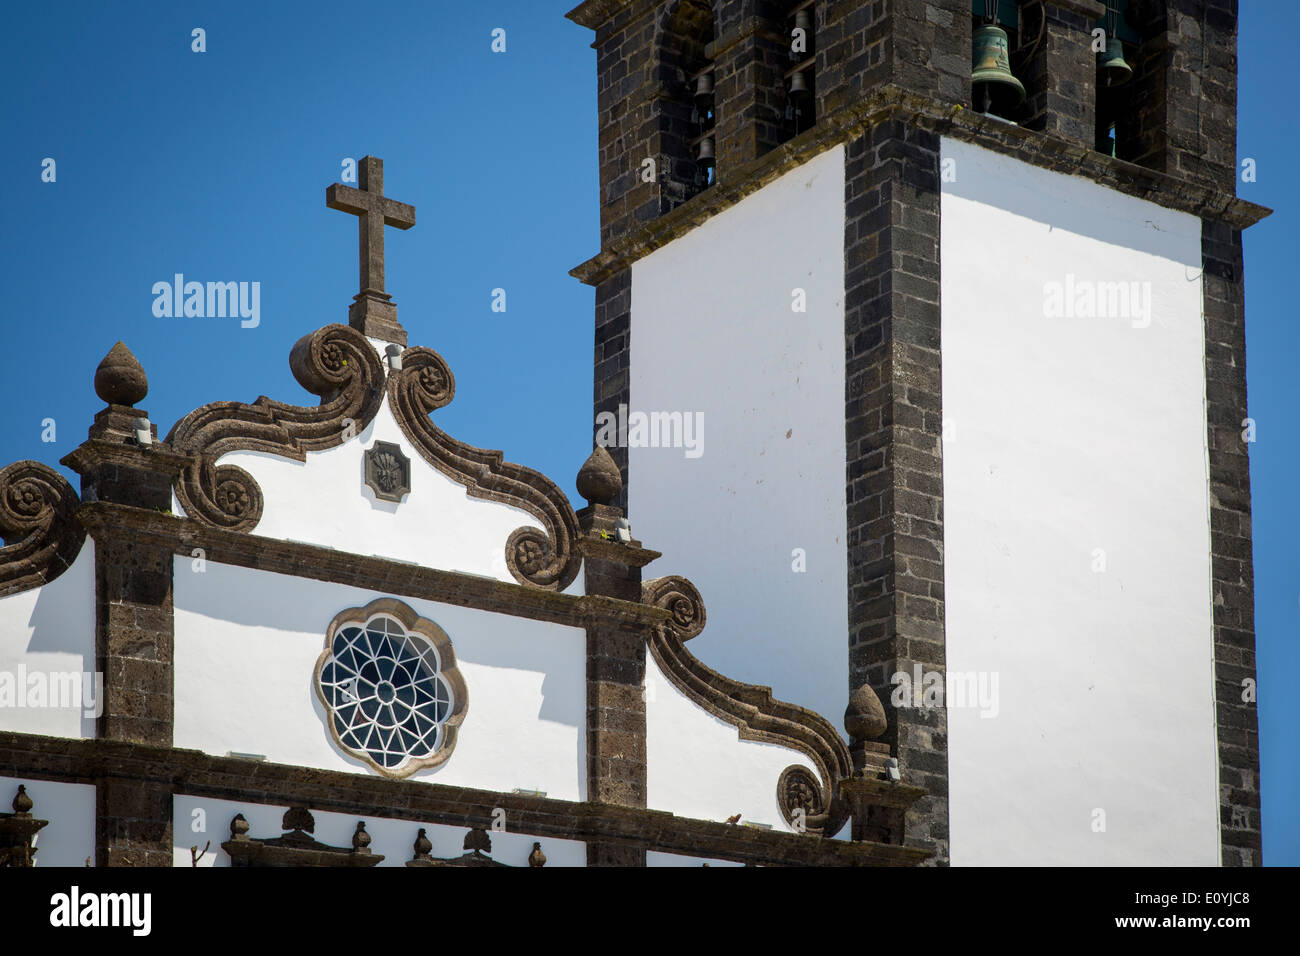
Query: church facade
x=945, y=390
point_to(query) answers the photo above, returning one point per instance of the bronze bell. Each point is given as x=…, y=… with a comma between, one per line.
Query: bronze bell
x=798, y=84
x=991, y=76
x=704, y=89
x=1111, y=68
x=704, y=153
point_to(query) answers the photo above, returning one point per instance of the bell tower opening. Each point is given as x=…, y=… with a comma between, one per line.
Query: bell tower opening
x=686, y=109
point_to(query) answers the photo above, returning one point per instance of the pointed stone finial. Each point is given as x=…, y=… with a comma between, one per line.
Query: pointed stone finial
x=864, y=718
x=423, y=846
x=598, y=478
x=361, y=839
x=239, y=827
x=120, y=379
x=537, y=857
x=22, y=802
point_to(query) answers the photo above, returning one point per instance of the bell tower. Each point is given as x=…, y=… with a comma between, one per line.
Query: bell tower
x=951, y=292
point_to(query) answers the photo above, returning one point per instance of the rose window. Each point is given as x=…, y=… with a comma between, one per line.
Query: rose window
x=388, y=681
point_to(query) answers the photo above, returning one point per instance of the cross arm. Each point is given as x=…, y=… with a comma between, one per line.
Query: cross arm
x=347, y=199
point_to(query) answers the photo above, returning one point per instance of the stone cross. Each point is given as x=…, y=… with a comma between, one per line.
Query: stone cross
x=372, y=310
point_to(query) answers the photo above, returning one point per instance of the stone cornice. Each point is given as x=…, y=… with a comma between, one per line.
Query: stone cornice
x=227, y=778
x=384, y=575
x=1093, y=10
x=890, y=102
x=592, y=13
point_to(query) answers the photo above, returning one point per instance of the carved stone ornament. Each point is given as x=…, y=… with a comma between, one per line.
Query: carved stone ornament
x=38, y=522
x=335, y=362
x=392, y=693
x=798, y=789
x=749, y=707
x=388, y=471
x=296, y=847
x=477, y=846
x=541, y=558
x=18, y=831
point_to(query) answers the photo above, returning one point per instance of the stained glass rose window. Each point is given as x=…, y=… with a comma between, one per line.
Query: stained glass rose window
x=392, y=694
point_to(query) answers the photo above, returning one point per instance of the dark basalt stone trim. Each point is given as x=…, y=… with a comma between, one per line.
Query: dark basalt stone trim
x=547, y=559
x=891, y=102
x=1232, y=574
x=335, y=362
x=181, y=536
x=226, y=778
x=749, y=707
x=592, y=13
x=37, y=507
x=893, y=411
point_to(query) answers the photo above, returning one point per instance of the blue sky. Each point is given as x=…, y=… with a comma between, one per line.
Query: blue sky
x=215, y=165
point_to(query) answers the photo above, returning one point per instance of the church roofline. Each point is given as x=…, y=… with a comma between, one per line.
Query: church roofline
x=894, y=103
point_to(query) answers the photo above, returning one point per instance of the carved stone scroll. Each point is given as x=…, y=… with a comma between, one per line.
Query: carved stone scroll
x=37, y=518
x=750, y=707
x=336, y=363
x=541, y=558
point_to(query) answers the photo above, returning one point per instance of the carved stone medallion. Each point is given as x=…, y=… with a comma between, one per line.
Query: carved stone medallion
x=388, y=471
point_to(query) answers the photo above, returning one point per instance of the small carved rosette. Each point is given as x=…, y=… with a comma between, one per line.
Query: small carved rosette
x=392, y=693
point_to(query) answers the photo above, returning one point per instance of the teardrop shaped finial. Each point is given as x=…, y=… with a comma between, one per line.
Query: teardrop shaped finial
x=120, y=379
x=22, y=800
x=864, y=718
x=360, y=839
x=598, y=479
x=423, y=845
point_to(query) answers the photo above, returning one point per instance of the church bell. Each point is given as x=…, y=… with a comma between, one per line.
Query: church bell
x=1111, y=68
x=798, y=84
x=704, y=152
x=704, y=90
x=991, y=75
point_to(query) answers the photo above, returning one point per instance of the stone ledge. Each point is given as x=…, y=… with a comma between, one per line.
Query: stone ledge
x=226, y=778
x=107, y=521
x=890, y=102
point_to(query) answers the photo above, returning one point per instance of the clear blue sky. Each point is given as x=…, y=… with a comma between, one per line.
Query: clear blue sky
x=215, y=165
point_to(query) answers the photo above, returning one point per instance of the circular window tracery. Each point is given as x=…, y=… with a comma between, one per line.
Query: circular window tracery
x=388, y=681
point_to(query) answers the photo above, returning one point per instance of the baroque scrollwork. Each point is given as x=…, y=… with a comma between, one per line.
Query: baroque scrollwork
x=544, y=557
x=335, y=363
x=37, y=518
x=750, y=707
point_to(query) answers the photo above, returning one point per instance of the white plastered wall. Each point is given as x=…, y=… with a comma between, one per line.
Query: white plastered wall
x=1073, y=444
x=198, y=821
x=714, y=332
x=246, y=649
x=47, y=632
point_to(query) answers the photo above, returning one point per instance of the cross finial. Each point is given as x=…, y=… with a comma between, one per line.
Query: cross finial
x=372, y=310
